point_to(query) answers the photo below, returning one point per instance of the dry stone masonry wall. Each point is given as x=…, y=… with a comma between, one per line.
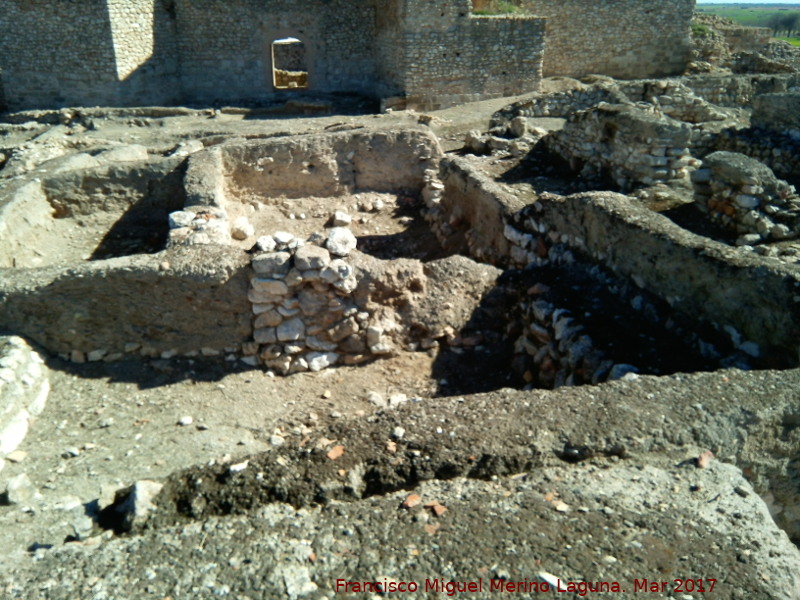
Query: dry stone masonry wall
x=745, y=196
x=24, y=386
x=779, y=113
x=738, y=90
x=778, y=151
x=634, y=146
x=306, y=317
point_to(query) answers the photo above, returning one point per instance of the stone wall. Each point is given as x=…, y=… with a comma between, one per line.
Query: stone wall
x=432, y=54
x=467, y=58
x=57, y=53
x=630, y=144
x=620, y=38
x=468, y=214
x=3, y=101
x=705, y=281
x=24, y=387
x=185, y=301
x=746, y=39
x=744, y=195
x=778, y=112
x=98, y=52
x=145, y=50
x=778, y=151
x=738, y=90
x=226, y=47
x=212, y=51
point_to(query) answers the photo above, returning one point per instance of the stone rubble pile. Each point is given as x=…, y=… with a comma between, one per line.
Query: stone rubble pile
x=490, y=143
x=756, y=62
x=306, y=316
x=744, y=195
x=676, y=100
x=783, y=52
x=778, y=151
x=559, y=104
x=206, y=225
x=24, y=386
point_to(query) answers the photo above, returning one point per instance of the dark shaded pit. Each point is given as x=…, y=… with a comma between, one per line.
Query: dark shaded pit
x=547, y=171
x=139, y=231
x=412, y=238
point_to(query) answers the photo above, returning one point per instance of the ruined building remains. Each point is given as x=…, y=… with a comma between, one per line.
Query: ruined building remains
x=425, y=53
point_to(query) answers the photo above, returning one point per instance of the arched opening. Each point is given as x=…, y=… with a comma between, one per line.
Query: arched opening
x=289, y=64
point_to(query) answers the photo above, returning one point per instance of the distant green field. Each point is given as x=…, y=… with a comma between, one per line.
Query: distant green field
x=751, y=15
x=794, y=41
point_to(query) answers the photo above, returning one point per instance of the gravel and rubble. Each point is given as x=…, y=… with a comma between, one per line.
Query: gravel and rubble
x=625, y=492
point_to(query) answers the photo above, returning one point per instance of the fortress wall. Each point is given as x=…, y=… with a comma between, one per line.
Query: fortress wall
x=225, y=45
x=145, y=48
x=627, y=39
x=435, y=53
x=453, y=57
x=94, y=52
x=746, y=39
x=57, y=54
x=476, y=61
x=348, y=61
x=222, y=53
x=390, y=49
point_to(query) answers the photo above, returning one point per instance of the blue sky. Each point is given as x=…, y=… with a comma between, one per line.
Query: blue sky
x=797, y=2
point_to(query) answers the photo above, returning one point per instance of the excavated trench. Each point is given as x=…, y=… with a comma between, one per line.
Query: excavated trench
x=83, y=210
x=250, y=229
x=309, y=253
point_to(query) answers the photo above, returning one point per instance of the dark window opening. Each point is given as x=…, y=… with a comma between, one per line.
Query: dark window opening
x=289, y=64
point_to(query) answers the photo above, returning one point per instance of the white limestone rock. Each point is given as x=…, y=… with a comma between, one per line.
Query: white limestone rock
x=127, y=153
x=337, y=269
x=341, y=241
x=181, y=218
x=283, y=238
x=341, y=219
x=266, y=243
x=134, y=504
x=19, y=490
x=273, y=287
x=242, y=229
x=321, y=360
x=272, y=264
x=311, y=257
